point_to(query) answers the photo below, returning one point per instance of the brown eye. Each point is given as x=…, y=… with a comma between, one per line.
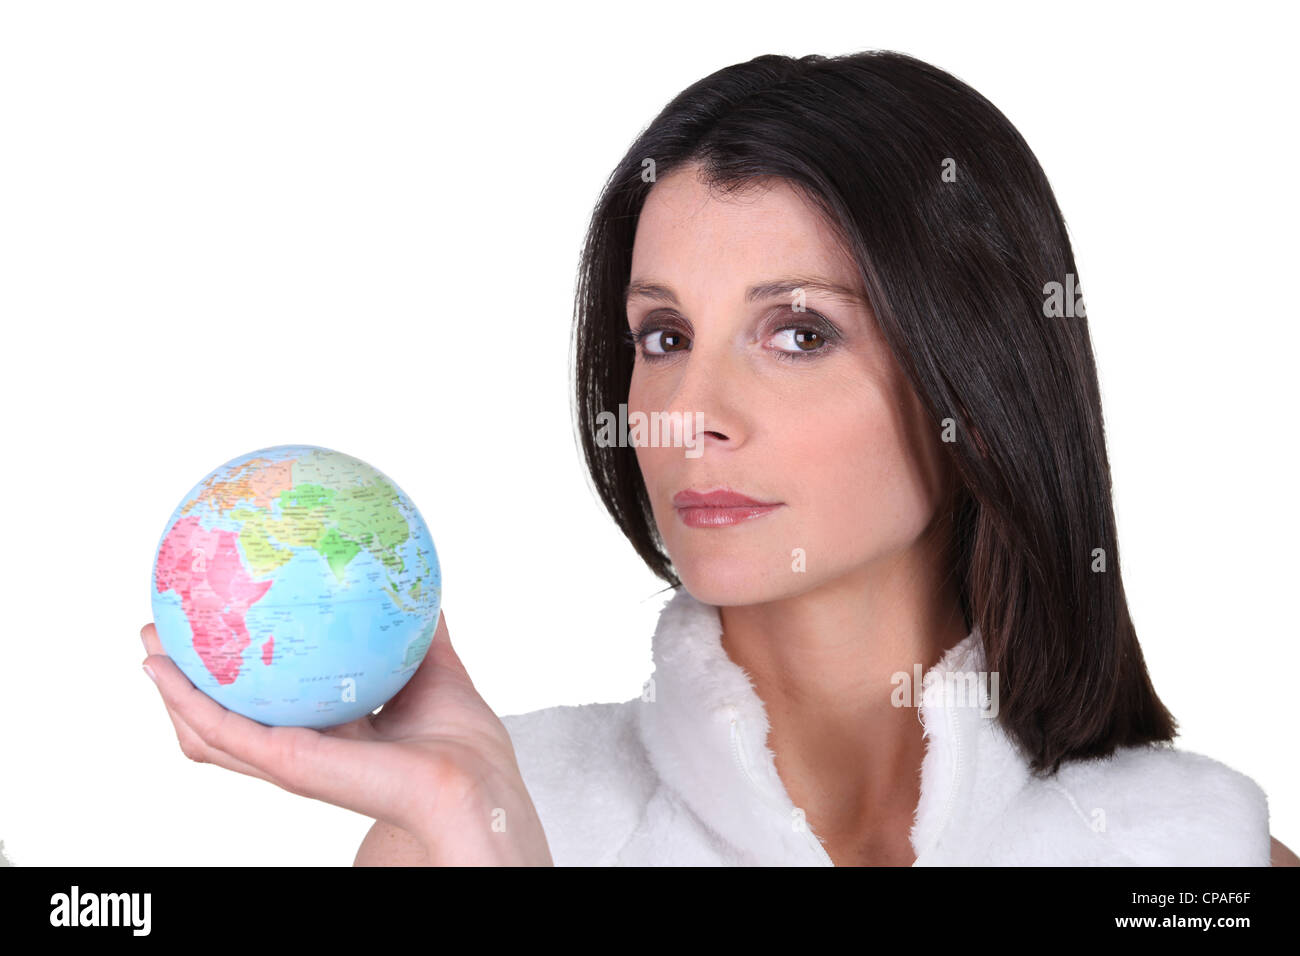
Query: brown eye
x=663, y=341
x=801, y=340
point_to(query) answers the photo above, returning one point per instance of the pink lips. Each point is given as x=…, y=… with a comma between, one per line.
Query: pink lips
x=716, y=509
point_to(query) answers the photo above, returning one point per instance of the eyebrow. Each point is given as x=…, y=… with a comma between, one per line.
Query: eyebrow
x=782, y=288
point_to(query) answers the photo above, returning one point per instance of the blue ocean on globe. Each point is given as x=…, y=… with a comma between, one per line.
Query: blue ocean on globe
x=297, y=586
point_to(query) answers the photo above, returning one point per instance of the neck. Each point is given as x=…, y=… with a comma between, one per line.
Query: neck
x=824, y=662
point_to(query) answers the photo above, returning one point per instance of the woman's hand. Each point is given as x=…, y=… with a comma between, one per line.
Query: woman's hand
x=435, y=761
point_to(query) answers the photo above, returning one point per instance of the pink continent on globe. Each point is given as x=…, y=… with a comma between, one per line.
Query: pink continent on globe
x=204, y=569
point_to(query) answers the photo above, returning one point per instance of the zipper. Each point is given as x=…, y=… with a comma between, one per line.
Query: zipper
x=958, y=764
x=763, y=794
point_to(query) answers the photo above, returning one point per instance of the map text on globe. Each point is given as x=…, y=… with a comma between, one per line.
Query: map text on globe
x=297, y=586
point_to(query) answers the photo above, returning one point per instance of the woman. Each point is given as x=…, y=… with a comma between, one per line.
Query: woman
x=846, y=287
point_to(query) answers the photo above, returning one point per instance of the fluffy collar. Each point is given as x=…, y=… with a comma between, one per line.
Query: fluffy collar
x=705, y=730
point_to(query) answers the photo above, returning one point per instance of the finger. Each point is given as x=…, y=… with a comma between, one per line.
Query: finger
x=353, y=774
x=447, y=663
x=197, y=750
x=194, y=748
x=149, y=634
x=360, y=729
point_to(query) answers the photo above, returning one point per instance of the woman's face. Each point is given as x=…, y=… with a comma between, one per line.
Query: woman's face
x=805, y=409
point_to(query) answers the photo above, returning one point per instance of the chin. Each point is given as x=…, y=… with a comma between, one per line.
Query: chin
x=732, y=582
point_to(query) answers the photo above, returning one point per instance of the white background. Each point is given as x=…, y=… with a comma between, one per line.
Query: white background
x=227, y=226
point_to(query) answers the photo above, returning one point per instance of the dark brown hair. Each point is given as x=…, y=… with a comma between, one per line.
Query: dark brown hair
x=957, y=270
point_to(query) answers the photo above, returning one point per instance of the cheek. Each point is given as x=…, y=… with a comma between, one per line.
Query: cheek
x=642, y=399
x=854, y=471
x=645, y=393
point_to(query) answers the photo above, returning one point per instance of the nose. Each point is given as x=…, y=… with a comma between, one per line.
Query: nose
x=705, y=401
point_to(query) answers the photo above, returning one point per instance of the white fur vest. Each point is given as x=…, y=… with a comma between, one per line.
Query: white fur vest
x=683, y=776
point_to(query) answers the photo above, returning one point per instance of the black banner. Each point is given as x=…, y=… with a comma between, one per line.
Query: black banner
x=371, y=904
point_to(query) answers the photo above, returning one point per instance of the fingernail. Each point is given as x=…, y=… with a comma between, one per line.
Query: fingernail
x=149, y=670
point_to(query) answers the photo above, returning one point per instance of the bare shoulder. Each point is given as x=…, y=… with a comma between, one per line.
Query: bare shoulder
x=1282, y=854
x=387, y=845
x=582, y=765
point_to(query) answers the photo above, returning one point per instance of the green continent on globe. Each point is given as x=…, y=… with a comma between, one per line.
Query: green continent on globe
x=337, y=550
x=314, y=560
x=336, y=510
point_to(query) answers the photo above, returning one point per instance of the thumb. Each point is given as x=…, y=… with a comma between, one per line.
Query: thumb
x=446, y=662
x=439, y=677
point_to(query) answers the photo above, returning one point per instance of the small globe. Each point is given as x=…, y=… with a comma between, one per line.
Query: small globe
x=297, y=586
